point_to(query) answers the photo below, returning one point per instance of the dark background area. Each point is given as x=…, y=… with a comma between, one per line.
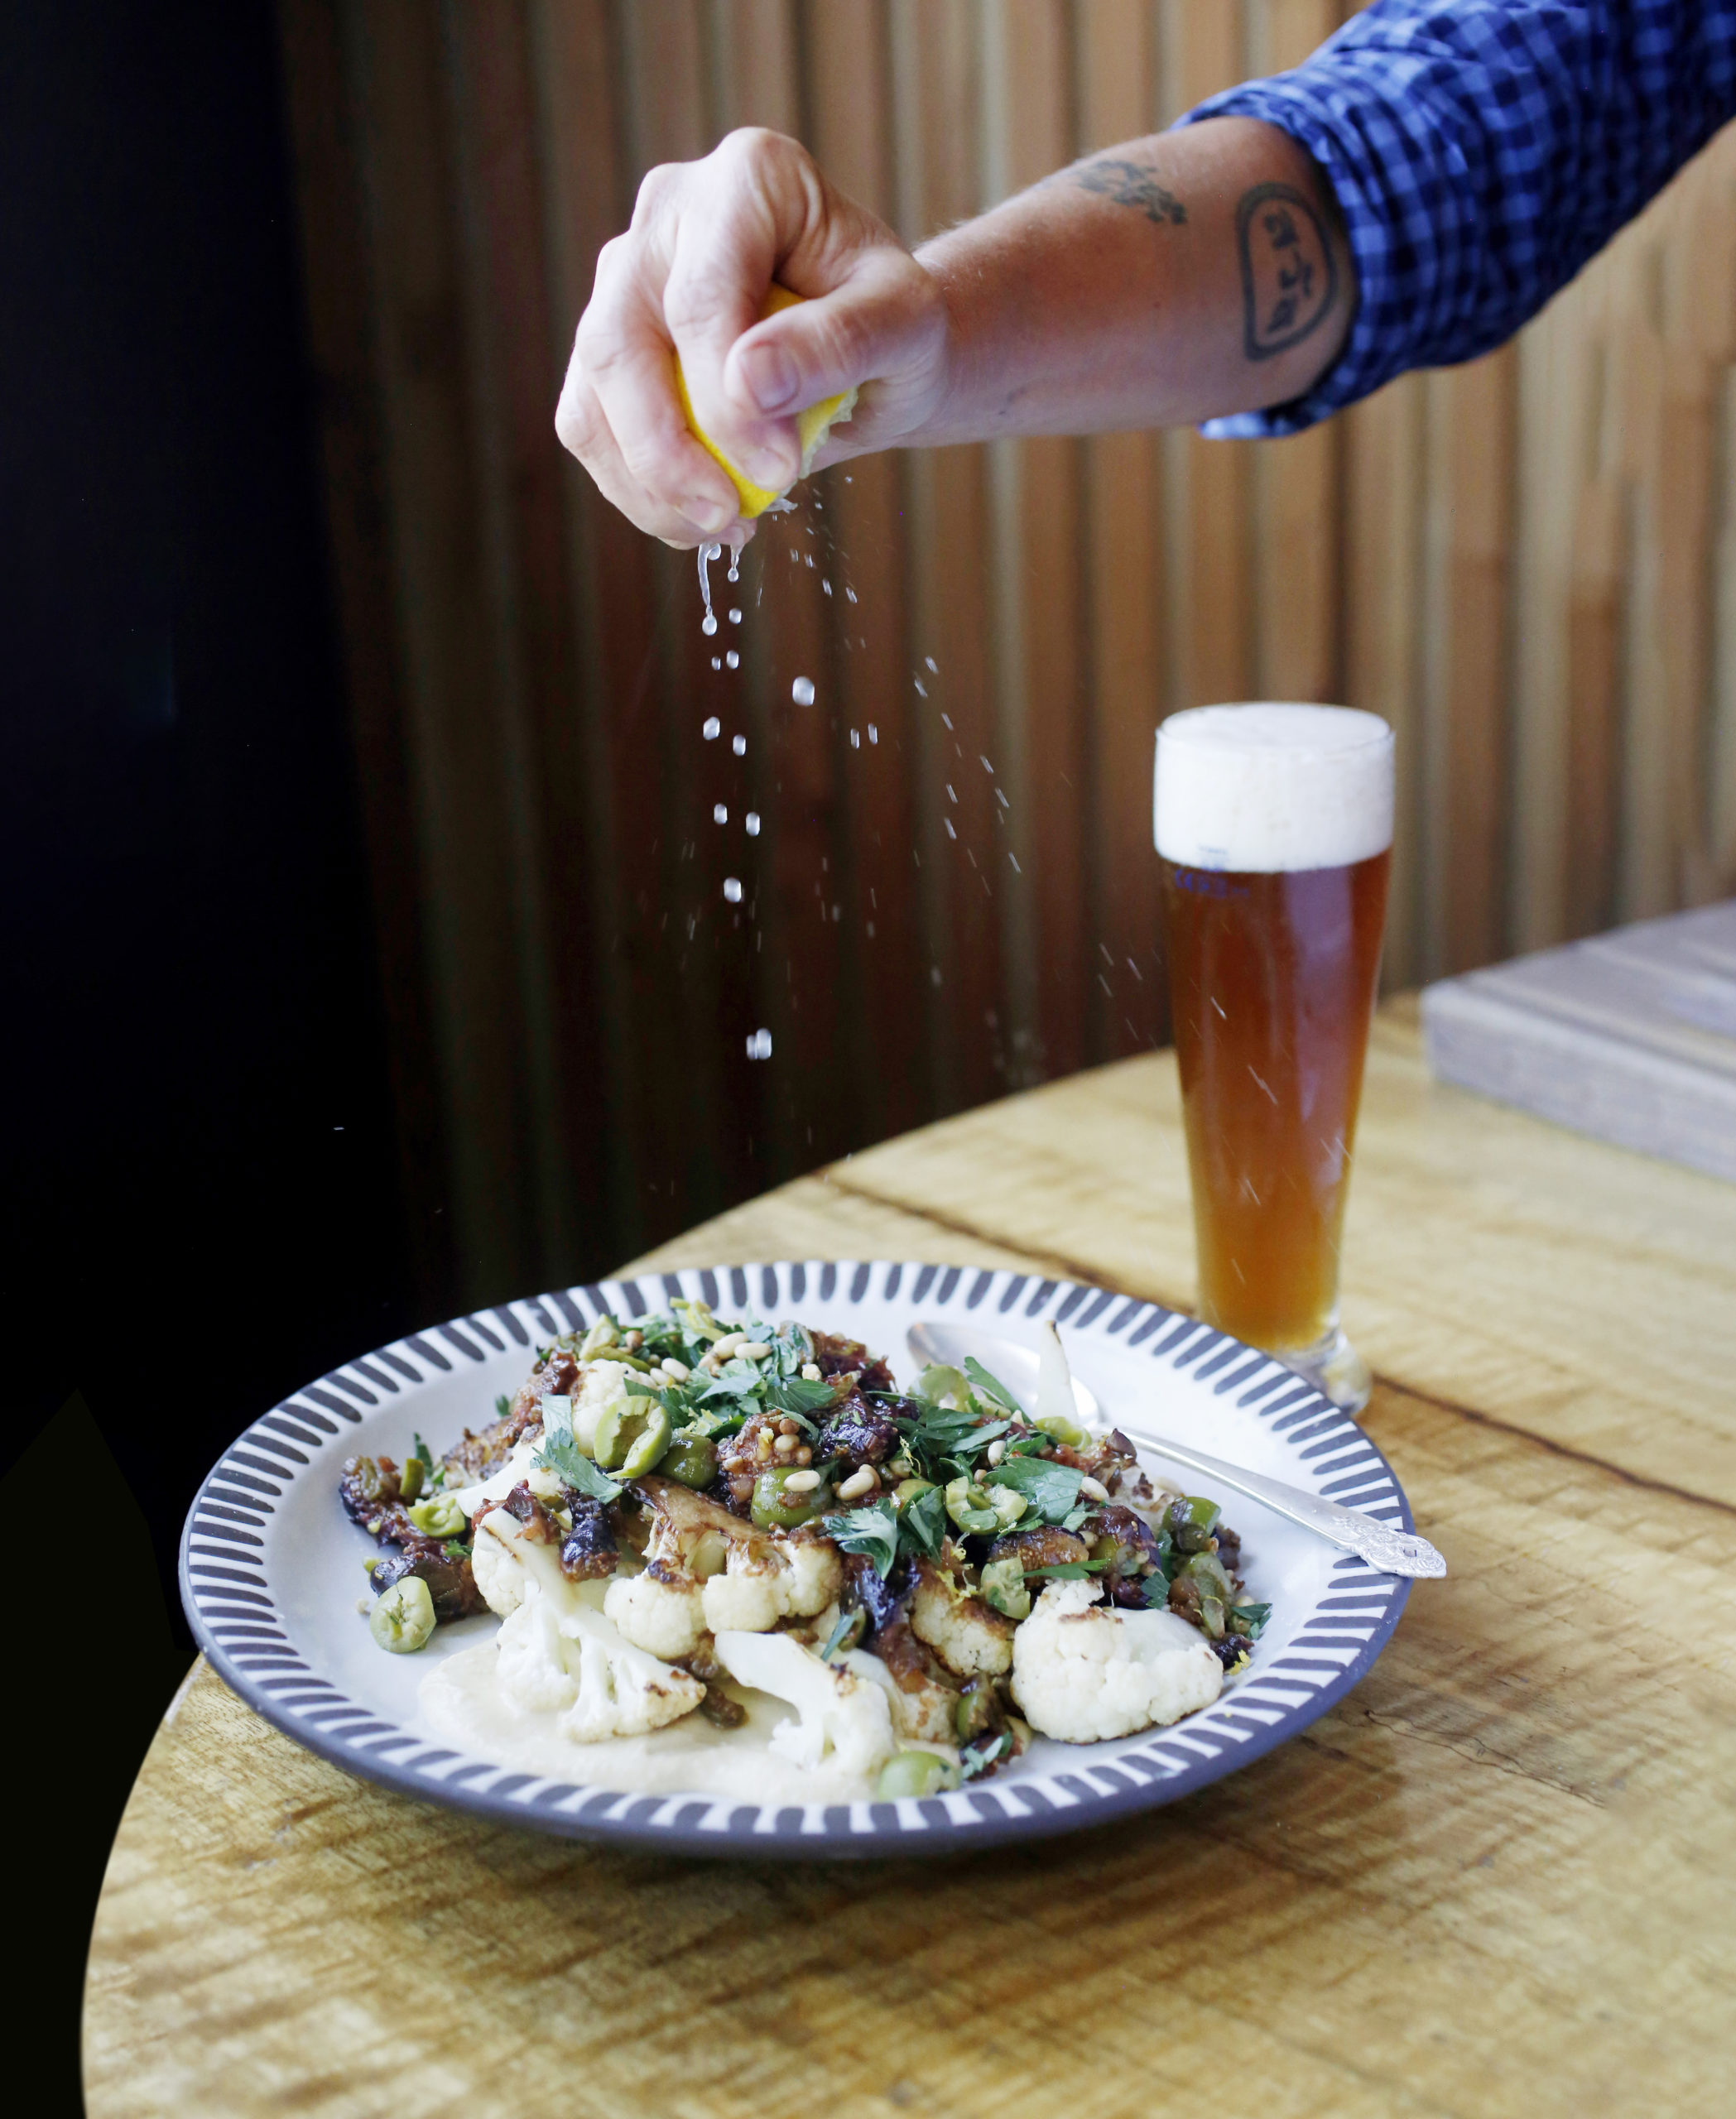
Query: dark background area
x=201, y=1187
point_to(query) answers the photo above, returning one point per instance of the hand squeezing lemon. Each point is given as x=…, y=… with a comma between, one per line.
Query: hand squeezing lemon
x=812, y=426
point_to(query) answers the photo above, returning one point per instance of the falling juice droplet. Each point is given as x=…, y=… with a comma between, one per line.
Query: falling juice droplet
x=733, y=659
x=719, y=813
x=733, y=889
x=717, y=661
x=735, y=564
x=738, y=744
x=714, y=728
x=934, y=666
x=735, y=618
x=759, y=1045
x=802, y=691
x=707, y=554
x=752, y=821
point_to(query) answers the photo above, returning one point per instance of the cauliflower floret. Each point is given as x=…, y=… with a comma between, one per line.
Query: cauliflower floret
x=533, y=1667
x=968, y=1636
x=664, y=1618
x=844, y=1720
x=768, y=1578
x=1082, y=1671
x=602, y=1383
x=503, y=1559
x=622, y=1692
x=576, y=1664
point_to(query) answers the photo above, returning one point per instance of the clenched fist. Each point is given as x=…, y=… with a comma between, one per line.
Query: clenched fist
x=690, y=277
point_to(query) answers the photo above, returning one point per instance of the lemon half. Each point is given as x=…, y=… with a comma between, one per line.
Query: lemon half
x=812, y=426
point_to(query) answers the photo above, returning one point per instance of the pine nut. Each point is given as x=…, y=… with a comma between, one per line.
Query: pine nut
x=731, y=1343
x=678, y=1371
x=803, y=1455
x=753, y=1350
x=787, y=1426
x=801, y=1482
x=1093, y=1490
x=633, y=1341
x=858, y=1484
x=810, y=1372
x=997, y=1450
x=785, y=1445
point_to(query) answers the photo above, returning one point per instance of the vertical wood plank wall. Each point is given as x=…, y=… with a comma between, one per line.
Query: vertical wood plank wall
x=1528, y=564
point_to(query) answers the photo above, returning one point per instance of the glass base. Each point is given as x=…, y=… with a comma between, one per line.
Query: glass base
x=1334, y=1367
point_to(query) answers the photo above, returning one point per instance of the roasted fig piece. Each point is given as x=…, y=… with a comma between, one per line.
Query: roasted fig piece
x=589, y=1551
x=449, y=1581
x=858, y=1432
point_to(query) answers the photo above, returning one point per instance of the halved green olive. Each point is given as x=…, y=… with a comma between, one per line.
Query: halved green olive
x=410, y=1480
x=690, y=1460
x=1002, y=1583
x=776, y=1508
x=1192, y=1521
x=441, y=1517
x=913, y=1774
x=1061, y=1429
x=940, y=1381
x=402, y=1618
x=630, y=1439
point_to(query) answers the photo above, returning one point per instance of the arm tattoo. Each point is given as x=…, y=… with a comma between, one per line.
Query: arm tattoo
x=1130, y=184
x=1289, y=275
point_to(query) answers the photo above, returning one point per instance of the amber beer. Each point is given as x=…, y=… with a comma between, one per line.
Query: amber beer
x=1274, y=830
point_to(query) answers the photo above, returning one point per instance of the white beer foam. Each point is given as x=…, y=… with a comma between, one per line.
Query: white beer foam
x=1265, y=788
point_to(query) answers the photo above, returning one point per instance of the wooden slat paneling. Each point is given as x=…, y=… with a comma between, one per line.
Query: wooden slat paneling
x=1528, y=564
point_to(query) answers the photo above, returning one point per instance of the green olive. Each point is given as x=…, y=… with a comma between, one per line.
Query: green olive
x=410, y=1483
x=1002, y=1583
x=1061, y=1429
x=690, y=1460
x=1192, y=1521
x=630, y=1439
x=774, y=1509
x=441, y=1517
x=969, y=1507
x=909, y=1490
x=605, y=1332
x=402, y=1618
x=937, y=1383
x=915, y=1774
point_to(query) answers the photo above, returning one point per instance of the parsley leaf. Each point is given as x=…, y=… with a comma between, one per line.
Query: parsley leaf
x=1249, y=1619
x=1050, y=1489
x=991, y=1385
x=923, y=1524
x=1070, y=1570
x=422, y=1450
x=796, y=1395
x=872, y=1531
x=672, y=1402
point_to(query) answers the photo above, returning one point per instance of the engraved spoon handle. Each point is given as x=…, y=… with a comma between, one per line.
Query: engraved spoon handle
x=1392, y=1550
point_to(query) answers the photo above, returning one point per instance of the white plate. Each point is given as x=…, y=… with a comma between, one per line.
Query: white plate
x=271, y=1567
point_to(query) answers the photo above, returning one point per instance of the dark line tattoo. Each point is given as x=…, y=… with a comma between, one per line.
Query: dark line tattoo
x=1130, y=184
x=1289, y=275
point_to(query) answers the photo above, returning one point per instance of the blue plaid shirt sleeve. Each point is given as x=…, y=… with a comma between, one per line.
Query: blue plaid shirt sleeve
x=1481, y=153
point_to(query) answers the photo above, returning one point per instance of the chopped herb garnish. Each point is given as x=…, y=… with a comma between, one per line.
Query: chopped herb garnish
x=870, y=1532
x=991, y=1385
x=1052, y=1490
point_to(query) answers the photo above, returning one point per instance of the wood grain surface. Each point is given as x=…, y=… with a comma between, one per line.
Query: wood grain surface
x=1495, y=1879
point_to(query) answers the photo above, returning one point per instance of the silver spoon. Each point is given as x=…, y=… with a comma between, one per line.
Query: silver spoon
x=1392, y=1551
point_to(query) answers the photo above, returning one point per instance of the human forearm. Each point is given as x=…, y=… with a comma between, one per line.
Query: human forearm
x=1164, y=282
x=1193, y=273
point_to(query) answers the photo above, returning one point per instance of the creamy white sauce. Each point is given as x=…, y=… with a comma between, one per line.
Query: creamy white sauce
x=463, y=1705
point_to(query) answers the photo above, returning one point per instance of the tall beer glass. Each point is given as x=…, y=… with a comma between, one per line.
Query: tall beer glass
x=1274, y=829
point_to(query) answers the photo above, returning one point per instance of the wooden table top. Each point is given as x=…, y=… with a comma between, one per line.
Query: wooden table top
x=1495, y=1879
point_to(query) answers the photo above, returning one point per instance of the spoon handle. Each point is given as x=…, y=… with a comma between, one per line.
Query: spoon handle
x=1392, y=1551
